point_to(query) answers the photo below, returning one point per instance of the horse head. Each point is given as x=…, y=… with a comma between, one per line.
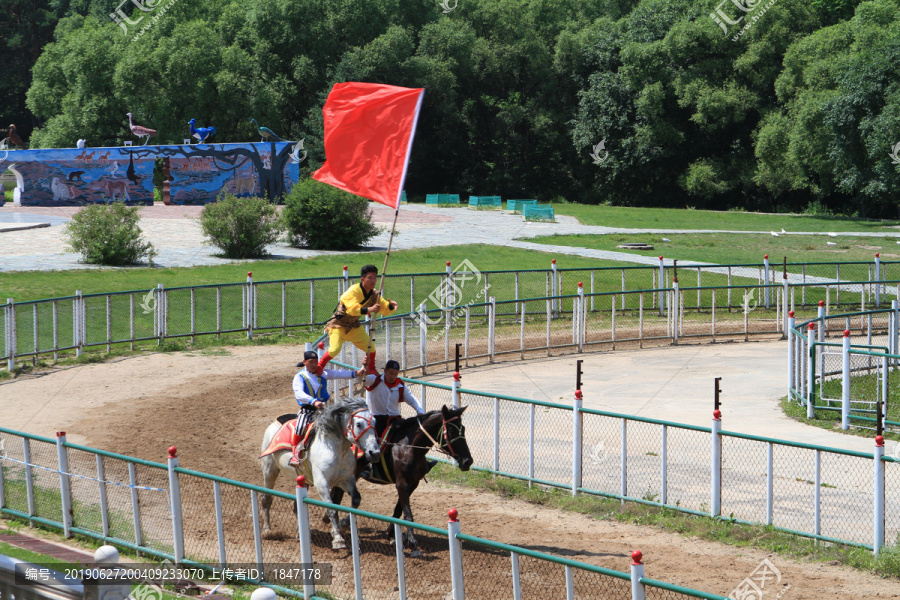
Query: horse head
x=350, y=418
x=452, y=437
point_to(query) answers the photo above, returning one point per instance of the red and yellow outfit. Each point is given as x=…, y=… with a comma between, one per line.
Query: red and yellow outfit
x=345, y=326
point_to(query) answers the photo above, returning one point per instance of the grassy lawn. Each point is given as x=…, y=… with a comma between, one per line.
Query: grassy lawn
x=887, y=564
x=678, y=218
x=741, y=248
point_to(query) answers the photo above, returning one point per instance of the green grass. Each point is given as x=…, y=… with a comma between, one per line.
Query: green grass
x=886, y=564
x=740, y=248
x=35, y=285
x=677, y=218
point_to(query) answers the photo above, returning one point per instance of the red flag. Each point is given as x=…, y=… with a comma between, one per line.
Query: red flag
x=369, y=130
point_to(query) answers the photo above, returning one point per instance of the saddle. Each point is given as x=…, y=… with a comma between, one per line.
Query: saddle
x=284, y=436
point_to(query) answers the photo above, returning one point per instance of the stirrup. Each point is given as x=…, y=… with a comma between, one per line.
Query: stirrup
x=297, y=457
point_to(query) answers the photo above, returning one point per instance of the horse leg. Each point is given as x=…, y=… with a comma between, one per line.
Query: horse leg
x=414, y=551
x=337, y=494
x=337, y=541
x=270, y=471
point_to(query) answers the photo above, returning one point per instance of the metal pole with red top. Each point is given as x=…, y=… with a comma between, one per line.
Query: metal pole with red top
x=305, y=539
x=456, y=569
x=175, y=505
x=454, y=387
x=716, y=496
x=792, y=371
x=878, y=456
x=248, y=305
x=660, y=285
x=346, y=281
x=579, y=317
x=845, y=381
x=766, y=280
x=877, y=279
x=638, y=592
x=554, y=287
x=577, y=404
x=62, y=458
x=785, y=301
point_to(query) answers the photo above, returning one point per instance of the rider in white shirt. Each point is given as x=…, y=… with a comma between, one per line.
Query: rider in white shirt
x=311, y=392
x=384, y=393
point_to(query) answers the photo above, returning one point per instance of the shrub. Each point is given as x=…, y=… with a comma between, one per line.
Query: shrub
x=323, y=217
x=108, y=234
x=240, y=227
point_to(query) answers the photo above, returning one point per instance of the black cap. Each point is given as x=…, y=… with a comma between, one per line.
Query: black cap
x=391, y=364
x=308, y=355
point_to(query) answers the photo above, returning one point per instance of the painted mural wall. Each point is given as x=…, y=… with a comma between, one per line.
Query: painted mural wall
x=197, y=173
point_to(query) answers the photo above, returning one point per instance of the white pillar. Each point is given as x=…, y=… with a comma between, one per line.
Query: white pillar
x=845, y=381
x=175, y=506
x=456, y=568
x=661, y=284
x=577, y=317
x=10, y=315
x=878, y=543
x=454, y=389
x=791, y=367
x=576, y=442
x=65, y=491
x=637, y=572
x=346, y=282
x=768, y=291
x=554, y=289
x=877, y=279
x=306, y=559
x=716, y=495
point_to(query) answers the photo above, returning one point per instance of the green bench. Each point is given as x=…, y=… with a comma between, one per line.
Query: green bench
x=516, y=206
x=539, y=213
x=442, y=199
x=485, y=202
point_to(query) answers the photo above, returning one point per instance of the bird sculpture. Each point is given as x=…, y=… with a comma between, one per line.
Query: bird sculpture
x=14, y=138
x=144, y=132
x=265, y=133
x=81, y=143
x=201, y=133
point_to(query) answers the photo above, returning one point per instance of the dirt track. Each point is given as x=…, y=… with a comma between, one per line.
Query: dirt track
x=214, y=407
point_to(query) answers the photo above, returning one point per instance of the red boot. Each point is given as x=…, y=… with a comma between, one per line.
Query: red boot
x=370, y=363
x=322, y=362
x=297, y=449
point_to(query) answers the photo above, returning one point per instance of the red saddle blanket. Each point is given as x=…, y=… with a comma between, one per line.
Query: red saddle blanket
x=284, y=437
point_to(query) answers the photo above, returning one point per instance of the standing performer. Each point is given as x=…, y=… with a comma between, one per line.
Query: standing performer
x=344, y=326
x=311, y=391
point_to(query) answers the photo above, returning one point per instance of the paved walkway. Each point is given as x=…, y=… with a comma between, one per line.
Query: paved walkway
x=176, y=234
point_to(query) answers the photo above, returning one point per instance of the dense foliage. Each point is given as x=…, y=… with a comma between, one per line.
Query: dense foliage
x=108, y=234
x=781, y=104
x=323, y=217
x=240, y=227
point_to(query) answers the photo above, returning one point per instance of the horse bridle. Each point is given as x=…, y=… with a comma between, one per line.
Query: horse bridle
x=350, y=425
x=443, y=435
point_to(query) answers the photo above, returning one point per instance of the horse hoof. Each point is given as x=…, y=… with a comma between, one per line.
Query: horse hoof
x=325, y=520
x=338, y=545
x=415, y=553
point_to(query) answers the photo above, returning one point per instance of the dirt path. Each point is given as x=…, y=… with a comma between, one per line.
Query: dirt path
x=230, y=397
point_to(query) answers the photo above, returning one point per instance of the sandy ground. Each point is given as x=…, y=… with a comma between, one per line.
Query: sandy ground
x=141, y=405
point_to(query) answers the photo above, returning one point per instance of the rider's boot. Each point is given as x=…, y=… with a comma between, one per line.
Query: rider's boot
x=370, y=363
x=322, y=362
x=297, y=449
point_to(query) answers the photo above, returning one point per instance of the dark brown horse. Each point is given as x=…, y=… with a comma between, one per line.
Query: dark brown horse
x=409, y=440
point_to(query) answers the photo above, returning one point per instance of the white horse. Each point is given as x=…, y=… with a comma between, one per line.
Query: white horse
x=330, y=461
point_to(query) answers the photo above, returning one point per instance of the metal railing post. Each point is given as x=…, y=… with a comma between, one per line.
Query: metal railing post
x=10, y=315
x=77, y=308
x=877, y=279
x=638, y=592
x=554, y=287
x=766, y=280
x=175, y=506
x=577, y=403
x=716, y=471
x=454, y=389
x=661, y=284
x=62, y=459
x=845, y=381
x=251, y=308
x=306, y=557
x=579, y=317
x=456, y=567
x=492, y=326
x=791, y=367
x=878, y=455
x=811, y=374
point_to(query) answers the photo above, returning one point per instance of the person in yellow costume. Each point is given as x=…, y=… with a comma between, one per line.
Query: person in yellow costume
x=344, y=326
